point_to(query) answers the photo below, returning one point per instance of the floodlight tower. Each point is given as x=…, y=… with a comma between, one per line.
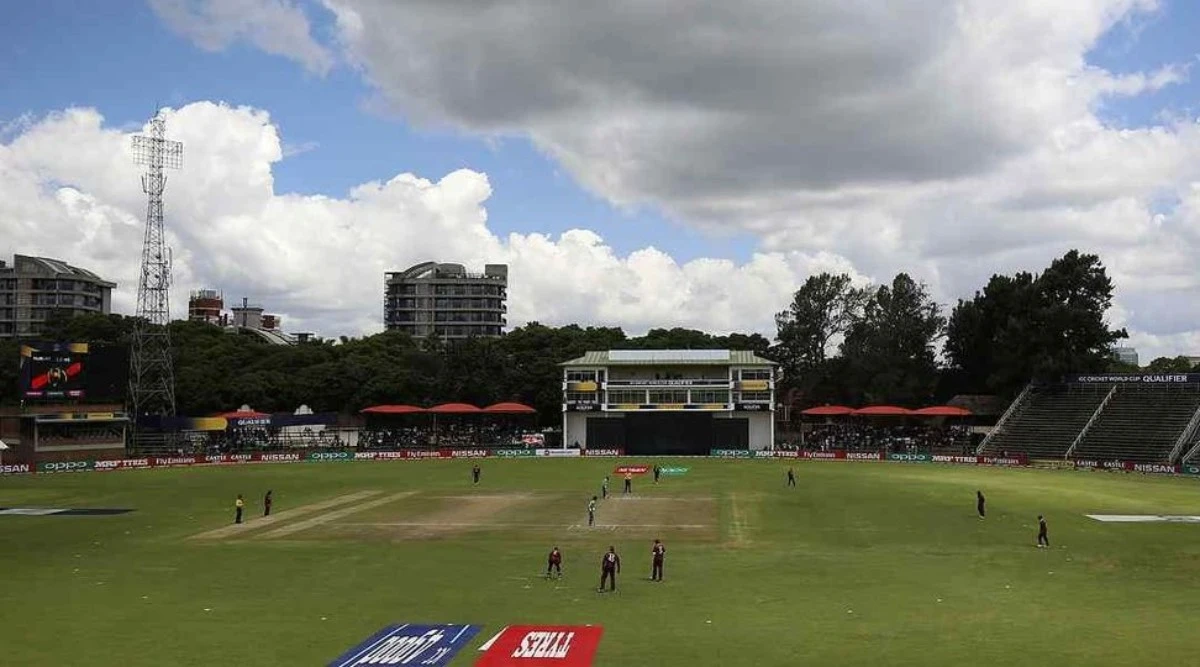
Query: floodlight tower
x=151, y=373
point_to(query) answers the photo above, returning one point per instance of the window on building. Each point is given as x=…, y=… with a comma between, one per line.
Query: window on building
x=709, y=396
x=626, y=396
x=754, y=397
x=670, y=396
x=581, y=397
x=756, y=374
x=581, y=376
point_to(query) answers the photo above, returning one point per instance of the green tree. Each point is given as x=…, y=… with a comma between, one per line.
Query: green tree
x=1180, y=364
x=889, y=352
x=826, y=306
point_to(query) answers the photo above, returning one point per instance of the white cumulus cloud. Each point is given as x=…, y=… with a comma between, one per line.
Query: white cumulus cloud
x=68, y=189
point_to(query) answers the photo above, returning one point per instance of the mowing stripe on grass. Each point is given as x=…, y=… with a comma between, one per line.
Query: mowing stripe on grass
x=331, y=516
x=262, y=521
x=487, y=524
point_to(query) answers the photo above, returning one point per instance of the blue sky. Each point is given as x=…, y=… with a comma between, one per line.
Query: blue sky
x=122, y=60
x=751, y=136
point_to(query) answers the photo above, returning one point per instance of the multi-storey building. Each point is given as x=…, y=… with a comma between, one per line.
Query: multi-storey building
x=32, y=287
x=445, y=301
x=669, y=401
x=206, y=305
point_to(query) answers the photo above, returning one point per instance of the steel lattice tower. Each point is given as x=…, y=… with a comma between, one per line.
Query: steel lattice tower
x=151, y=372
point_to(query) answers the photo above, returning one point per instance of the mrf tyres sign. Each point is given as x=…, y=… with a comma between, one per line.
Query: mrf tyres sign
x=542, y=646
x=429, y=645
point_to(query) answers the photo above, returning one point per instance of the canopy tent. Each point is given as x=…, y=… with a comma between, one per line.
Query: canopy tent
x=509, y=409
x=828, y=411
x=942, y=411
x=454, y=409
x=243, y=412
x=392, y=410
x=882, y=411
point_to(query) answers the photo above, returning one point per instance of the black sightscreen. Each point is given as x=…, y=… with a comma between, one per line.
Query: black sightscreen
x=605, y=432
x=669, y=433
x=731, y=434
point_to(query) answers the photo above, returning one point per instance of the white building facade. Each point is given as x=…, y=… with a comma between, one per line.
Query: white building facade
x=669, y=401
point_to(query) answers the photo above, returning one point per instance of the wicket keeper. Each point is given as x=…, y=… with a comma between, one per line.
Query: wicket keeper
x=610, y=567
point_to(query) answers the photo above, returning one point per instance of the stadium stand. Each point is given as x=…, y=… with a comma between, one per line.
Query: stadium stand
x=1047, y=421
x=1141, y=423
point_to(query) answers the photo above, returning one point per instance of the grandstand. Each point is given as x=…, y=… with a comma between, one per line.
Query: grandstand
x=1141, y=418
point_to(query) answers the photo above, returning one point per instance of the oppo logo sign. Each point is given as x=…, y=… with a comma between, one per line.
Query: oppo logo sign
x=65, y=466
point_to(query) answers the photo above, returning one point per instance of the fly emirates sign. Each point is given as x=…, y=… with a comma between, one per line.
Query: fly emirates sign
x=542, y=645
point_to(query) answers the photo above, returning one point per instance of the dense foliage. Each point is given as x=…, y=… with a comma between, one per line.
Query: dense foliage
x=836, y=342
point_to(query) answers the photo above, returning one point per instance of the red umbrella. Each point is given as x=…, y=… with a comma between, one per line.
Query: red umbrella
x=882, y=411
x=454, y=409
x=392, y=410
x=942, y=411
x=827, y=411
x=509, y=409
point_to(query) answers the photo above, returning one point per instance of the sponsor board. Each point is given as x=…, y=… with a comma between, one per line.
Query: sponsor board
x=1002, y=460
x=166, y=462
x=824, y=456
x=431, y=645
x=542, y=646
x=864, y=456
x=329, y=456
x=631, y=470
x=422, y=454
x=1145, y=518
x=126, y=464
x=66, y=466
x=674, y=470
x=514, y=453
x=775, y=454
x=1093, y=464
x=469, y=453
x=1190, y=469
x=920, y=457
x=948, y=458
x=221, y=459
x=377, y=456
x=1158, y=468
x=557, y=452
x=602, y=452
x=730, y=453
x=278, y=458
x=15, y=469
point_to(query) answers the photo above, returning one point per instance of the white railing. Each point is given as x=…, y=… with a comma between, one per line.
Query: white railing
x=1012, y=409
x=1092, y=420
x=1189, y=432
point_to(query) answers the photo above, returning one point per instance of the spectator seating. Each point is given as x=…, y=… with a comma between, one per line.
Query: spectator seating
x=1140, y=423
x=1048, y=421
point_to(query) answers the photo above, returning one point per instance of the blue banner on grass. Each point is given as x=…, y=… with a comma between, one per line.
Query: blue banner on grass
x=432, y=645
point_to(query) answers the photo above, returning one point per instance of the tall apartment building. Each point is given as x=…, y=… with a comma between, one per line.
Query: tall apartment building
x=32, y=287
x=446, y=301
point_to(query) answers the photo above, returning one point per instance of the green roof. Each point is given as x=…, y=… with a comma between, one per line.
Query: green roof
x=669, y=358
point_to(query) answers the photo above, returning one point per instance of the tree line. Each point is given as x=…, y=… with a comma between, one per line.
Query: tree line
x=837, y=342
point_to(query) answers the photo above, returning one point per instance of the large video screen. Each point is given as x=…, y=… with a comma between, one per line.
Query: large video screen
x=53, y=370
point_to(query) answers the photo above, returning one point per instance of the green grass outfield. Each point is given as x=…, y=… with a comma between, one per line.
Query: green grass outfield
x=862, y=564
